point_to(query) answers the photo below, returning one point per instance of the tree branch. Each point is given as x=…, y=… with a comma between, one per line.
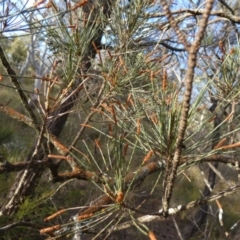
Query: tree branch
x=192, y=60
x=18, y=87
x=195, y=12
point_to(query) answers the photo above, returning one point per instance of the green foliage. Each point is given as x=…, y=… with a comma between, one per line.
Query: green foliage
x=36, y=208
x=18, y=51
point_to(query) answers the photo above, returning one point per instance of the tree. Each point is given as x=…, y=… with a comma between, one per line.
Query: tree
x=136, y=99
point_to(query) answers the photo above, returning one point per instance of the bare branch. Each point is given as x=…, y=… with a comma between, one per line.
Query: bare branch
x=174, y=25
x=194, y=12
